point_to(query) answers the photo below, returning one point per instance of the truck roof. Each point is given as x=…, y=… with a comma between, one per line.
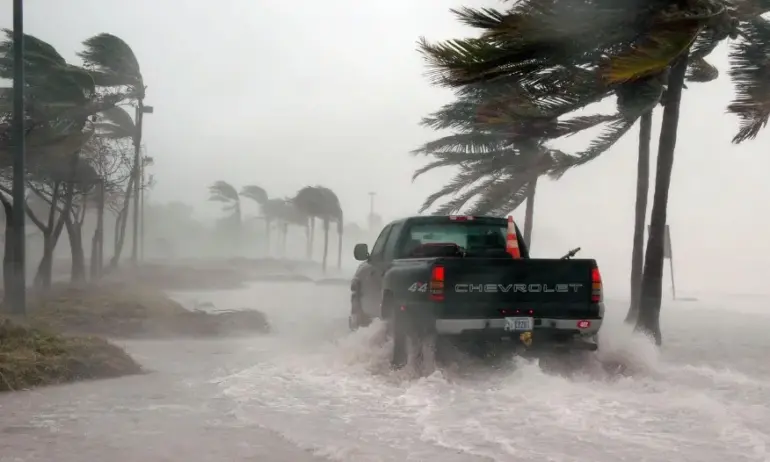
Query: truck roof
x=444, y=218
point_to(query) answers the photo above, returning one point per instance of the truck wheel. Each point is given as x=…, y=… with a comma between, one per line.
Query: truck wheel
x=357, y=318
x=397, y=324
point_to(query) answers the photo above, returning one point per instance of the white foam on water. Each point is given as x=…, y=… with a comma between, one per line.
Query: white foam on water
x=333, y=392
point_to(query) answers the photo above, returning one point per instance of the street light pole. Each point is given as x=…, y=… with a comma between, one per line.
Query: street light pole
x=19, y=301
x=141, y=109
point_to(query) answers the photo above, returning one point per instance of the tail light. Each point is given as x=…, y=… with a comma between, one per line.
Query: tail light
x=511, y=241
x=460, y=218
x=436, y=285
x=596, y=286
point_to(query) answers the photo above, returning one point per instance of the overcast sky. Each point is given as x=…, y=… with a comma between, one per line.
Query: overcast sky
x=285, y=94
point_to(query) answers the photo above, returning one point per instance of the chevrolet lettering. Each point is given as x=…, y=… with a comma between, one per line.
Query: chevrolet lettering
x=522, y=288
x=471, y=281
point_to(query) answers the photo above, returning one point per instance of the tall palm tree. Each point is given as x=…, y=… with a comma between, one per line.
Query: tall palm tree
x=308, y=201
x=222, y=191
x=623, y=43
x=259, y=195
x=60, y=100
x=331, y=211
x=321, y=202
x=284, y=214
x=113, y=64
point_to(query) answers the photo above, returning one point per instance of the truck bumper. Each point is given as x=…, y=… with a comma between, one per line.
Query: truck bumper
x=496, y=326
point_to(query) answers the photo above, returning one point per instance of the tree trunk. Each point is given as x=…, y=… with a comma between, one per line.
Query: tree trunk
x=267, y=237
x=640, y=214
x=310, y=239
x=284, y=238
x=94, y=257
x=97, y=242
x=326, y=243
x=339, y=246
x=8, y=268
x=652, y=279
x=529, y=215
x=75, y=233
x=44, y=275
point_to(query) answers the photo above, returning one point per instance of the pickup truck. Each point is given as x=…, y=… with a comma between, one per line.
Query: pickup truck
x=454, y=276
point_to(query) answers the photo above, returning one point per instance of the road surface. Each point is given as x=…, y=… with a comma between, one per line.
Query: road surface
x=311, y=391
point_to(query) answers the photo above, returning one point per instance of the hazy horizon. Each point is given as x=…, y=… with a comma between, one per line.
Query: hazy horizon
x=271, y=94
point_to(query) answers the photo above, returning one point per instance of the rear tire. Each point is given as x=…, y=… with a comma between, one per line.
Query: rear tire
x=357, y=318
x=398, y=327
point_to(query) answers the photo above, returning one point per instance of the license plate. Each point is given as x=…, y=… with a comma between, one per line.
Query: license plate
x=519, y=324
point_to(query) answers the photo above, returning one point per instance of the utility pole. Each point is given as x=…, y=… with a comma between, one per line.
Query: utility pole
x=141, y=217
x=371, y=210
x=141, y=109
x=19, y=289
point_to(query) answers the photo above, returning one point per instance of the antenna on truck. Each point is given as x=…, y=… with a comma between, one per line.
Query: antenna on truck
x=571, y=253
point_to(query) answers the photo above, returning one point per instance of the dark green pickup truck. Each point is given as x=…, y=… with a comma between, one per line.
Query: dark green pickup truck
x=430, y=276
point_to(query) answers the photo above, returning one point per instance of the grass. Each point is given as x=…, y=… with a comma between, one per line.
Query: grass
x=61, y=338
x=31, y=357
x=121, y=310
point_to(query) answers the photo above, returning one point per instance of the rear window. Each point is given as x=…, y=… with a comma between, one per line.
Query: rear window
x=472, y=237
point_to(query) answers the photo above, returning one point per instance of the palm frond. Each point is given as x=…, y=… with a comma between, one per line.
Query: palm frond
x=456, y=203
x=115, y=123
x=598, y=146
x=114, y=61
x=506, y=192
x=749, y=71
x=222, y=191
x=654, y=51
x=255, y=193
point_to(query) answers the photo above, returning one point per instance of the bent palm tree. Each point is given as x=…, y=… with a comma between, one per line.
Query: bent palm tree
x=622, y=42
x=114, y=65
x=259, y=195
x=309, y=202
x=500, y=154
x=222, y=191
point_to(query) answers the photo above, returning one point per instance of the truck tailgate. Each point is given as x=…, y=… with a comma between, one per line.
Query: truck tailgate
x=498, y=287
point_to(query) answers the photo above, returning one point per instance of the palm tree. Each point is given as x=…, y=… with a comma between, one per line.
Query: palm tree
x=501, y=154
x=60, y=100
x=259, y=195
x=113, y=64
x=321, y=202
x=222, y=191
x=308, y=202
x=624, y=44
x=331, y=212
x=284, y=214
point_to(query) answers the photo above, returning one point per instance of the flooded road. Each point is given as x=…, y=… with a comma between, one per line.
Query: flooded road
x=313, y=391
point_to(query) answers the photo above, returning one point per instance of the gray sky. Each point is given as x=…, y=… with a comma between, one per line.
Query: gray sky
x=286, y=94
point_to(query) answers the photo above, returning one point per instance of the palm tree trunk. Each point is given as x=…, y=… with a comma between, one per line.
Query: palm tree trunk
x=339, y=246
x=8, y=268
x=640, y=215
x=284, y=238
x=75, y=234
x=326, y=243
x=529, y=215
x=268, y=224
x=310, y=239
x=652, y=279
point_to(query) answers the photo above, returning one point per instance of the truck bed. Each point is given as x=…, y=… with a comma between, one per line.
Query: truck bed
x=503, y=287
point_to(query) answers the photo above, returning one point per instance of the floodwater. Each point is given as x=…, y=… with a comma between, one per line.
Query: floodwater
x=312, y=391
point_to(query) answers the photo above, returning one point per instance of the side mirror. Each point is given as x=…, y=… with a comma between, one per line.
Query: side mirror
x=361, y=252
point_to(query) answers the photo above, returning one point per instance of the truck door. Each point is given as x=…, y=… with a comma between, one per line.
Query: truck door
x=370, y=275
